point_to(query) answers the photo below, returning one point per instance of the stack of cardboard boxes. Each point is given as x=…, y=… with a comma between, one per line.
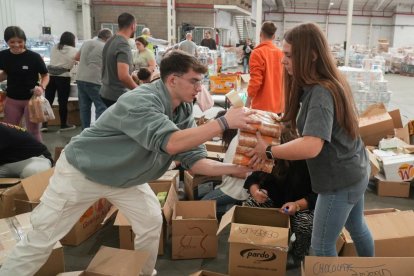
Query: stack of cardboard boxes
x=393, y=169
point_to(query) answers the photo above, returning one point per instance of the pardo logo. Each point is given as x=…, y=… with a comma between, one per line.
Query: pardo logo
x=406, y=171
x=259, y=255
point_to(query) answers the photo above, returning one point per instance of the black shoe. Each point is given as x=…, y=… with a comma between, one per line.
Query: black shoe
x=66, y=128
x=293, y=262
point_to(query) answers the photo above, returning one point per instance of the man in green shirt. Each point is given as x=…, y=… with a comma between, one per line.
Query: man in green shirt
x=134, y=141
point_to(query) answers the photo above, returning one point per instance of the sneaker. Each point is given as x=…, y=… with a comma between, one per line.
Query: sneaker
x=154, y=273
x=67, y=127
x=44, y=127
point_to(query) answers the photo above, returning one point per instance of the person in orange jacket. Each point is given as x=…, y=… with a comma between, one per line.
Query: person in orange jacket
x=265, y=90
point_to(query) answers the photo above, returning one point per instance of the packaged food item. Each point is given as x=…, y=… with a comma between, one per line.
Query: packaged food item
x=243, y=160
x=40, y=110
x=250, y=140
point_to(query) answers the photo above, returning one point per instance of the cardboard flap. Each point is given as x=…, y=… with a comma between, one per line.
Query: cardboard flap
x=206, y=273
x=35, y=185
x=345, y=266
x=226, y=219
x=374, y=110
x=259, y=235
x=112, y=212
x=396, y=118
x=121, y=220
x=8, y=182
x=113, y=261
x=373, y=161
x=245, y=77
x=170, y=201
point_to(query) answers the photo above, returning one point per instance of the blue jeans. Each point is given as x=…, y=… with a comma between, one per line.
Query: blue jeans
x=245, y=65
x=333, y=211
x=87, y=93
x=223, y=201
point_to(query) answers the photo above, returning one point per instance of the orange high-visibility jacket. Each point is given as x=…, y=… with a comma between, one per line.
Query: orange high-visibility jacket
x=266, y=78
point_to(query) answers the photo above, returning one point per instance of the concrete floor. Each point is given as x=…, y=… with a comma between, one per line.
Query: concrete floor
x=77, y=258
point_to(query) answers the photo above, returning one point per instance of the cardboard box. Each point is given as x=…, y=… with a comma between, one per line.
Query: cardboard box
x=392, y=188
x=374, y=124
x=13, y=230
x=222, y=84
x=112, y=261
x=8, y=191
x=172, y=176
x=373, y=161
x=258, y=241
x=346, y=266
x=127, y=236
x=197, y=186
x=218, y=156
x=87, y=225
x=399, y=167
x=392, y=232
x=206, y=273
x=215, y=146
x=194, y=227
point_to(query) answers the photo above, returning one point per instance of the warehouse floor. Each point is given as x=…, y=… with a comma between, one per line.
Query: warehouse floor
x=77, y=258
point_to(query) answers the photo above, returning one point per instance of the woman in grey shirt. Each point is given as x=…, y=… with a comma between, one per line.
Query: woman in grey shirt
x=320, y=104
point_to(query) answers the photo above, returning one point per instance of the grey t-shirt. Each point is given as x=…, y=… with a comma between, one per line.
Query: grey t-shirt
x=189, y=47
x=90, y=64
x=116, y=50
x=343, y=161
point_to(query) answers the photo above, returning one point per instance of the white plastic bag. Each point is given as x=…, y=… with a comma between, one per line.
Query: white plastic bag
x=40, y=110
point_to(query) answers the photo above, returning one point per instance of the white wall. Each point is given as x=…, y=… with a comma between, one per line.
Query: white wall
x=60, y=15
x=382, y=27
x=224, y=20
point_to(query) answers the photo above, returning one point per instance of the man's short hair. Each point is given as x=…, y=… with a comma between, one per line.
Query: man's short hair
x=125, y=20
x=268, y=29
x=144, y=74
x=179, y=62
x=104, y=34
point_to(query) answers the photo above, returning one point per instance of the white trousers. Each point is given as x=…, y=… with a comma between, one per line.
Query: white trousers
x=68, y=195
x=25, y=168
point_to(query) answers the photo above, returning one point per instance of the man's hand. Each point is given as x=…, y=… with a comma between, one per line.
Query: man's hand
x=260, y=195
x=239, y=118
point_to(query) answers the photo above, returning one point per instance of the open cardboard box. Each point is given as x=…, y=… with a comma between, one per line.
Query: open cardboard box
x=194, y=227
x=215, y=146
x=112, y=261
x=10, y=188
x=258, y=241
x=392, y=188
x=127, y=236
x=196, y=186
x=374, y=124
x=346, y=266
x=392, y=231
x=13, y=230
x=171, y=176
x=88, y=223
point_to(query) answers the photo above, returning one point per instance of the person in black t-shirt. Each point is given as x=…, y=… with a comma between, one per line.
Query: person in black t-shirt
x=247, y=50
x=208, y=41
x=289, y=188
x=21, y=155
x=21, y=67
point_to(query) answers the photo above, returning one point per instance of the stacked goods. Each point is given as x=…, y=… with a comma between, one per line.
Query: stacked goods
x=368, y=86
x=269, y=127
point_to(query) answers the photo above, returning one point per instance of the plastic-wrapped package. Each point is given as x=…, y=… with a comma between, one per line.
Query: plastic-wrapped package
x=40, y=110
x=243, y=160
x=250, y=140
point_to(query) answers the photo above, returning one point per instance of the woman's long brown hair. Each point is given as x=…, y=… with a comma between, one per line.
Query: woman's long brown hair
x=313, y=64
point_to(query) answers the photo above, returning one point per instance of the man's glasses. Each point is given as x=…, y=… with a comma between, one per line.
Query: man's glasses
x=195, y=82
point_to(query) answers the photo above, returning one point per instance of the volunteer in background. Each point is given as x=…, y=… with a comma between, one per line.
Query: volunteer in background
x=133, y=142
x=117, y=61
x=208, y=41
x=143, y=57
x=188, y=45
x=21, y=67
x=247, y=50
x=21, y=155
x=289, y=188
x=328, y=125
x=152, y=41
x=89, y=76
x=230, y=192
x=62, y=59
x=265, y=90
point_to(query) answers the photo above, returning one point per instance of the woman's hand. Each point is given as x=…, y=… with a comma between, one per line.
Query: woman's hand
x=38, y=91
x=289, y=208
x=260, y=195
x=258, y=154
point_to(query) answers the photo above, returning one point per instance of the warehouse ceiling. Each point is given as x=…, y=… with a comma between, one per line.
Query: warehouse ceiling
x=336, y=6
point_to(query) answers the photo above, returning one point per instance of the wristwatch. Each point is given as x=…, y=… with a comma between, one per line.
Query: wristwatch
x=269, y=153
